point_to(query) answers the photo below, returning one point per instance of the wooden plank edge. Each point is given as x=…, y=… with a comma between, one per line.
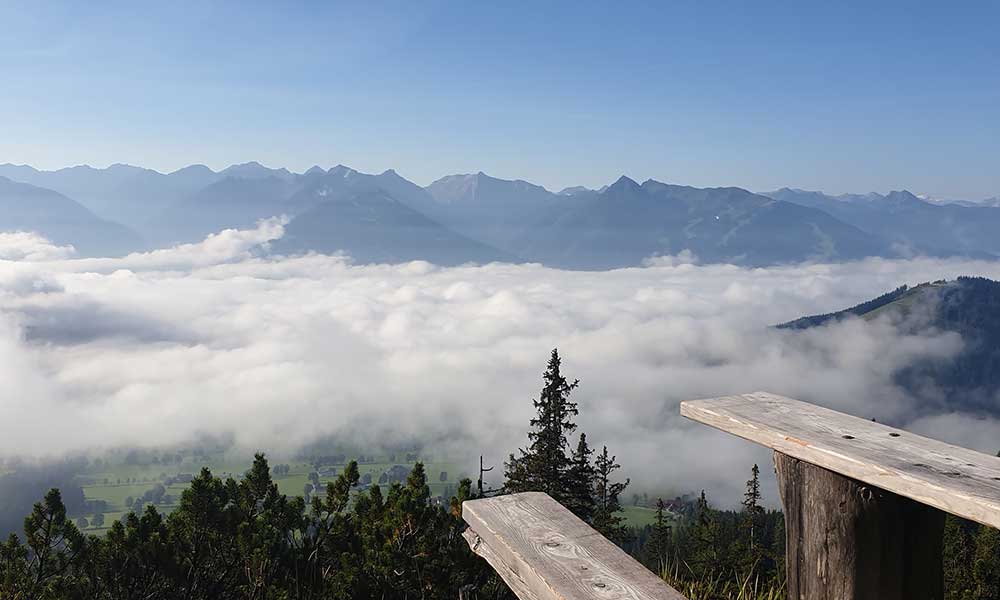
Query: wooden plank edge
x=509, y=576
x=974, y=508
x=535, y=581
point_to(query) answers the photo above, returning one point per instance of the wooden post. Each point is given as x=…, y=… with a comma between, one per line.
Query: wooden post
x=864, y=503
x=849, y=540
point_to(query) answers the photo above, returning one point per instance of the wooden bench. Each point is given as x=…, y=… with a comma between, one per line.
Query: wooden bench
x=863, y=501
x=544, y=552
x=864, y=511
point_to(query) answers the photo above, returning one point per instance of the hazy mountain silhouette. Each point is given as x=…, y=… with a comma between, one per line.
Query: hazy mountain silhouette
x=496, y=211
x=628, y=222
x=373, y=227
x=579, y=228
x=123, y=193
x=25, y=207
x=913, y=225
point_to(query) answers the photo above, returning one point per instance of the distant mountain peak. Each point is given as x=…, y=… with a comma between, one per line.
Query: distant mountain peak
x=314, y=170
x=342, y=171
x=623, y=184
x=572, y=190
x=193, y=168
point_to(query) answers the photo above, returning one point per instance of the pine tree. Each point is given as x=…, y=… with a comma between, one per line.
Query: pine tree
x=704, y=552
x=54, y=542
x=750, y=552
x=658, y=544
x=580, y=486
x=544, y=466
x=607, y=511
x=751, y=506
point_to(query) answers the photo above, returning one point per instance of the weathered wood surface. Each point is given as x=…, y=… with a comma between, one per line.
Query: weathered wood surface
x=847, y=539
x=954, y=479
x=544, y=552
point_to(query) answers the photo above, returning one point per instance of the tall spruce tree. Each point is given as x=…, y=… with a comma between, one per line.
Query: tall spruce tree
x=752, y=510
x=580, y=481
x=704, y=547
x=607, y=511
x=658, y=545
x=544, y=465
x=750, y=551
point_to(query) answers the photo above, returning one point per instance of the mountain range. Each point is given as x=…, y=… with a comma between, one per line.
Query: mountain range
x=24, y=207
x=911, y=224
x=476, y=218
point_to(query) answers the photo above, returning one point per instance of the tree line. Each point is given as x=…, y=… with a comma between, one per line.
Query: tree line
x=242, y=539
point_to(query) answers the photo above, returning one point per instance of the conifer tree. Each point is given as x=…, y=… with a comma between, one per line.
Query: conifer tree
x=544, y=465
x=751, y=506
x=704, y=537
x=607, y=511
x=581, y=476
x=53, y=542
x=657, y=547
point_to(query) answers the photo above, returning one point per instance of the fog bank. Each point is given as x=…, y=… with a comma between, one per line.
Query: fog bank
x=156, y=348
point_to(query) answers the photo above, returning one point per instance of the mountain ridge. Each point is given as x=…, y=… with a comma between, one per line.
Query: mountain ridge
x=618, y=225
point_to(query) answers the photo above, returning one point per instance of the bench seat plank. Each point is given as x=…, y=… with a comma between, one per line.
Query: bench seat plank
x=957, y=480
x=545, y=552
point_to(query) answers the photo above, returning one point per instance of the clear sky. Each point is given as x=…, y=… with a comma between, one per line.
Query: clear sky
x=840, y=96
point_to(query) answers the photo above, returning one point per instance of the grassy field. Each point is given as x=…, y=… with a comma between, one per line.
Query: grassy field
x=640, y=516
x=115, y=483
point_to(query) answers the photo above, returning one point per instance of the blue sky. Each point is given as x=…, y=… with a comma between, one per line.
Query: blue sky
x=837, y=96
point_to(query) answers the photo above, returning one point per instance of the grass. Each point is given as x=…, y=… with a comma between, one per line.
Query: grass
x=640, y=516
x=717, y=587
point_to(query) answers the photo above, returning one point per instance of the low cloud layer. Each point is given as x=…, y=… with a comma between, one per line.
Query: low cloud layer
x=154, y=349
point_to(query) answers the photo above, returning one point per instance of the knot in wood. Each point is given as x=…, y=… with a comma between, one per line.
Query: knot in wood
x=866, y=493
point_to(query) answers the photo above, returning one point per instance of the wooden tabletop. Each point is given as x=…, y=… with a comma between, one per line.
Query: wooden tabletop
x=954, y=479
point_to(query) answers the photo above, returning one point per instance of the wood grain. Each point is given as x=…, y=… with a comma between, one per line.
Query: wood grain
x=953, y=479
x=551, y=554
x=509, y=575
x=847, y=539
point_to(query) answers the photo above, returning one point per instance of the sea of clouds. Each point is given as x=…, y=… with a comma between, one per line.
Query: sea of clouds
x=218, y=338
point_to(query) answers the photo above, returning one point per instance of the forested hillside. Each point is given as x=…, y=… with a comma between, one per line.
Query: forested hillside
x=967, y=306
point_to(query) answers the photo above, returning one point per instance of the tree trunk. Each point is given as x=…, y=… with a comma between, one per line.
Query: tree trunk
x=846, y=540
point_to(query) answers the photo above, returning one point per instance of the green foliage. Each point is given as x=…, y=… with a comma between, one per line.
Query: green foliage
x=726, y=554
x=986, y=564
x=544, y=466
x=958, y=552
x=657, y=549
x=243, y=539
x=607, y=512
x=581, y=477
x=586, y=488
